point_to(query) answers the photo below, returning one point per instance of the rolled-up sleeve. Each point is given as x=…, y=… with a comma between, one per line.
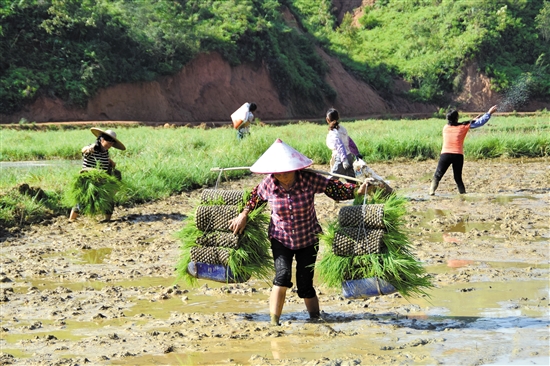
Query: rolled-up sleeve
x=339, y=191
x=481, y=121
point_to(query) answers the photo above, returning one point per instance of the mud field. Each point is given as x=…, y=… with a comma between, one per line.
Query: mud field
x=106, y=293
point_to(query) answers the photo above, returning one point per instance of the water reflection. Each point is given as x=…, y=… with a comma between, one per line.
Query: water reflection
x=488, y=300
x=464, y=227
x=38, y=163
x=95, y=256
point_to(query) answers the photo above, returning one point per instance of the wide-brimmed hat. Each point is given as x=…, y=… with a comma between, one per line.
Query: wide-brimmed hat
x=98, y=132
x=280, y=158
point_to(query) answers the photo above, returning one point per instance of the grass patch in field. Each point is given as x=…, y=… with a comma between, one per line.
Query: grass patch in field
x=160, y=162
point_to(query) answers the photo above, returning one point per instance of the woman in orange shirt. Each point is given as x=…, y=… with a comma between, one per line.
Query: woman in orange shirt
x=452, y=152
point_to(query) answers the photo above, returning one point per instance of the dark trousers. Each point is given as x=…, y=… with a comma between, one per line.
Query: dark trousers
x=457, y=161
x=305, y=259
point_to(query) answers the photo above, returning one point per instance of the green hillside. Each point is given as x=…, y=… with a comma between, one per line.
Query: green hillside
x=70, y=48
x=427, y=42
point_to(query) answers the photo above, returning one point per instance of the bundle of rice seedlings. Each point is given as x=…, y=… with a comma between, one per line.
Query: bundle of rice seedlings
x=94, y=191
x=253, y=256
x=395, y=264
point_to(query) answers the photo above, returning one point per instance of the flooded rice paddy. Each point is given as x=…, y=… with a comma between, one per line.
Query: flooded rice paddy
x=106, y=293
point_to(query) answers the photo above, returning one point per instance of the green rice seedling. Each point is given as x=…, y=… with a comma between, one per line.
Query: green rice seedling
x=94, y=191
x=252, y=258
x=396, y=265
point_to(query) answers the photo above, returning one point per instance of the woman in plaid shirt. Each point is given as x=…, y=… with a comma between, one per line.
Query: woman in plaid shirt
x=294, y=228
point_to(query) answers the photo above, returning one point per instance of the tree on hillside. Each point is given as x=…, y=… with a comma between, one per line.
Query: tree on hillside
x=543, y=21
x=69, y=49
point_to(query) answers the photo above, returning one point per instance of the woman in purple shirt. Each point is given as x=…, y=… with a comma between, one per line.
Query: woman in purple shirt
x=294, y=228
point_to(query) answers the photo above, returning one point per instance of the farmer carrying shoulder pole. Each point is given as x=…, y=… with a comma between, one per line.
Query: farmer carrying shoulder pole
x=293, y=228
x=96, y=156
x=452, y=152
x=242, y=118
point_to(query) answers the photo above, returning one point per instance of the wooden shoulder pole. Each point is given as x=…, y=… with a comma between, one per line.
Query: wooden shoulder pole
x=334, y=175
x=307, y=169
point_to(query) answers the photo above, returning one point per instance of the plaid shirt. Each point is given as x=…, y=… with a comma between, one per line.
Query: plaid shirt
x=293, y=218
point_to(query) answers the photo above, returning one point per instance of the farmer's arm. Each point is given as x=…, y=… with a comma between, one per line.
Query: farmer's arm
x=484, y=119
x=334, y=143
x=339, y=191
x=341, y=150
x=238, y=224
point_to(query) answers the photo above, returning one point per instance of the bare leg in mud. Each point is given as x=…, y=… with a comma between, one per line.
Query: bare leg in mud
x=312, y=306
x=276, y=302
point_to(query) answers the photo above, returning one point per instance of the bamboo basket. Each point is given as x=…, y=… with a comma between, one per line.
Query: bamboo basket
x=371, y=254
x=211, y=251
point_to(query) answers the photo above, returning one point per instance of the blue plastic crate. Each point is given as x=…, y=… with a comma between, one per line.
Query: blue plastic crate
x=213, y=272
x=366, y=287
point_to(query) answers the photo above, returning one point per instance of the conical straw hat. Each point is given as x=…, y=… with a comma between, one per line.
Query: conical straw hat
x=280, y=158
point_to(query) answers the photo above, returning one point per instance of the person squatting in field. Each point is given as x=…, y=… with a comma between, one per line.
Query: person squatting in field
x=452, y=151
x=95, y=156
x=293, y=228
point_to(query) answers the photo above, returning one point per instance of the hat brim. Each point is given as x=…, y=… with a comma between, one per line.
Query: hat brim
x=117, y=145
x=280, y=158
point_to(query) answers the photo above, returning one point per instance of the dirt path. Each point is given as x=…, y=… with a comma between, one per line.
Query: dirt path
x=105, y=293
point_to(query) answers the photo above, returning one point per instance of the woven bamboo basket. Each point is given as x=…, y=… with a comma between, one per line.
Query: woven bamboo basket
x=219, y=239
x=369, y=216
x=211, y=251
x=229, y=197
x=215, y=217
x=211, y=255
x=350, y=241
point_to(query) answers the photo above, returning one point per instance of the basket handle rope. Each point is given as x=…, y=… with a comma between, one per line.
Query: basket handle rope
x=362, y=229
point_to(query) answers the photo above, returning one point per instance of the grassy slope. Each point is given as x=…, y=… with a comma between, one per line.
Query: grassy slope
x=70, y=50
x=428, y=42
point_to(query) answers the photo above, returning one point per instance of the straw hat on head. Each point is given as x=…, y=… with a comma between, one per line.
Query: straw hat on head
x=98, y=132
x=280, y=158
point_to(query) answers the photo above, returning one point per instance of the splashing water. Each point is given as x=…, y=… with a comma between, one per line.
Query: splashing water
x=518, y=94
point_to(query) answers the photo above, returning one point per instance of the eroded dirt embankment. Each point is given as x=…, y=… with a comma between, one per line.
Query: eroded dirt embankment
x=208, y=90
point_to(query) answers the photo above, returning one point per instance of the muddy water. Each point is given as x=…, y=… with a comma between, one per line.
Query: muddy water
x=37, y=164
x=458, y=316
x=106, y=293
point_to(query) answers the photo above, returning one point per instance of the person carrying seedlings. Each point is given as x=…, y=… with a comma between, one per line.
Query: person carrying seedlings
x=452, y=151
x=242, y=118
x=96, y=156
x=293, y=228
x=343, y=147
